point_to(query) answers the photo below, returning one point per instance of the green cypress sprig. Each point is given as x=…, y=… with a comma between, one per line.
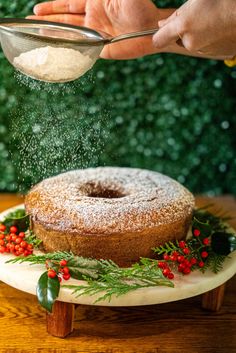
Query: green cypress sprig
x=41, y=259
x=116, y=281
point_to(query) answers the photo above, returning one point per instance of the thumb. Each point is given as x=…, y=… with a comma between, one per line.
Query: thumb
x=166, y=35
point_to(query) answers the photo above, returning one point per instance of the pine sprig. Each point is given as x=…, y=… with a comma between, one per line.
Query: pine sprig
x=214, y=262
x=116, y=281
x=41, y=259
x=167, y=248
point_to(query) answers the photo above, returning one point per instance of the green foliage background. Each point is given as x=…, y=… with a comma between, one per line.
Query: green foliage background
x=167, y=113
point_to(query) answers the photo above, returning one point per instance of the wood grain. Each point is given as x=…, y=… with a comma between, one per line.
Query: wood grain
x=60, y=322
x=214, y=299
x=167, y=328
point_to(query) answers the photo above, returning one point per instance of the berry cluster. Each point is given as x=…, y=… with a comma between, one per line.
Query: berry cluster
x=184, y=258
x=14, y=242
x=61, y=271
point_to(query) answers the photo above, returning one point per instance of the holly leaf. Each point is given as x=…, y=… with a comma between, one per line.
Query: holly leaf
x=223, y=243
x=204, y=228
x=81, y=267
x=17, y=218
x=47, y=291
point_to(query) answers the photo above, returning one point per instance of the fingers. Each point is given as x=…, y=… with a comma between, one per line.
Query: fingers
x=76, y=20
x=166, y=35
x=60, y=7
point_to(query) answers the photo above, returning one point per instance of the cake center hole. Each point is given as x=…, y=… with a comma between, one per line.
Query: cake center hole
x=102, y=190
x=106, y=194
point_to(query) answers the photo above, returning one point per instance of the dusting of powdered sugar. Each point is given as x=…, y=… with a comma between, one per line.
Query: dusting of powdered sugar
x=141, y=199
x=53, y=64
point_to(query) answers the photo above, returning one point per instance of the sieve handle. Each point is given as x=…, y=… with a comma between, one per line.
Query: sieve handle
x=132, y=35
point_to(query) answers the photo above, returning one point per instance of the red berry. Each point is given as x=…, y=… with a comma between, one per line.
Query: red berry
x=21, y=250
x=186, y=271
x=193, y=261
x=13, y=237
x=8, y=245
x=180, y=258
x=182, y=244
x=181, y=267
x=21, y=235
x=206, y=241
x=187, y=263
x=170, y=275
x=204, y=254
x=17, y=253
x=161, y=264
x=12, y=247
x=196, y=232
x=66, y=270
x=18, y=240
x=2, y=249
x=29, y=246
x=2, y=242
x=26, y=253
x=166, y=271
x=2, y=236
x=201, y=264
x=8, y=237
x=2, y=228
x=63, y=263
x=186, y=251
x=17, y=247
x=175, y=253
x=166, y=257
x=13, y=229
x=51, y=274
x=66, y=277
x=173, y=257
x=23, y=244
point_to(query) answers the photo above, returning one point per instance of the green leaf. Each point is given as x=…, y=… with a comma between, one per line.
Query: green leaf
x=80, y=267
x=204, y=228
x=17, y=218
x=47, y=291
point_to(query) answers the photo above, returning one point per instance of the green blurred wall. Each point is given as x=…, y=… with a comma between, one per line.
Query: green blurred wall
x=167, y=113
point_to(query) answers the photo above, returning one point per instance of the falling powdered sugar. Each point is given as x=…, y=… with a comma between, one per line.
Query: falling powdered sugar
x=53, y=64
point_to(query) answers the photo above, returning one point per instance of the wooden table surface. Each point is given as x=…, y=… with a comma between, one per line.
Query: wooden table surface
x=167, y=328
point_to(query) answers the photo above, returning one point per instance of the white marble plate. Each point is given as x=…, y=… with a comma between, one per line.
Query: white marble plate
x=25, y=276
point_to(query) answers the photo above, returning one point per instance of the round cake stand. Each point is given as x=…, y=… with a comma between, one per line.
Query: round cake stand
x=60, y=322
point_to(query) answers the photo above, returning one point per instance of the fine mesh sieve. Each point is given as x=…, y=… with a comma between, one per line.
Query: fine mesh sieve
x=19, y=36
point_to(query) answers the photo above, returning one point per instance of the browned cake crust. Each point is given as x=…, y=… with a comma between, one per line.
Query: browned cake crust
x=109, y=213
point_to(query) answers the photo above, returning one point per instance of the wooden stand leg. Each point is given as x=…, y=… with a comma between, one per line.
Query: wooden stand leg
x=213, y=299
x=60, y=321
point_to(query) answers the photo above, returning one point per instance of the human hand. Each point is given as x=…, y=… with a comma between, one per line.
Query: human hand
x=114, y=17
x=205, y=27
